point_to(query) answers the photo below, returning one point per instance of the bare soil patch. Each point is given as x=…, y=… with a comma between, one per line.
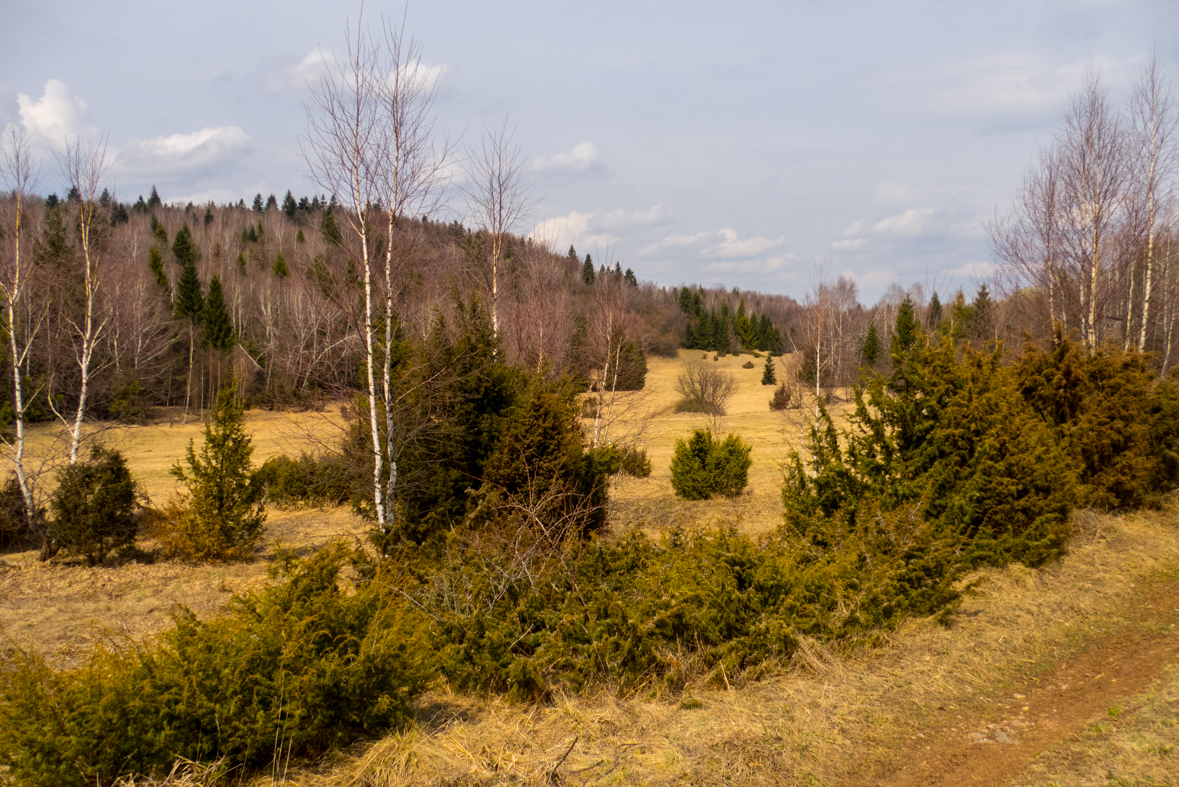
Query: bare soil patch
x=998, y=739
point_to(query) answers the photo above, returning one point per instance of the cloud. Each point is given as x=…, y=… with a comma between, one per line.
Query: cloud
x=848, y=245
x=894, y=193
x=320, y=62
x=876, y=278
x=998, y=91
x=722, y=244
x=766, y=266
x=183, y=155
x=976, y=270
x=583, y=157
x=571, y=230
x=57, y=117
x=621, y=219
x=908, y=224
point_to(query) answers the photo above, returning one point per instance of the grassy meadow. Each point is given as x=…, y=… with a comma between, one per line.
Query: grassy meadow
x=828, y=717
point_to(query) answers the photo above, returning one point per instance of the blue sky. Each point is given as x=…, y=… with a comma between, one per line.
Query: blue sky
x=741, y=146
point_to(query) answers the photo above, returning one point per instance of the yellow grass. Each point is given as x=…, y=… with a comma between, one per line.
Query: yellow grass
x=61, y=608
x=647, y=419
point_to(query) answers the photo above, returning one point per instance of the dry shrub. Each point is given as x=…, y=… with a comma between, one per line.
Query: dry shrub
x=704, y=389
x=781, y=399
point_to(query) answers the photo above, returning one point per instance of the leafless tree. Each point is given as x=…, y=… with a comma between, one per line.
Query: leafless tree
x=84, y=164
x=498, y=199
x=18, y=175
x=1095, y=178
x=369, y=141
x=1153, y=121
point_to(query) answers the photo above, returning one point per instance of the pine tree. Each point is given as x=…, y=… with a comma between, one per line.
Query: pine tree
x=289, y=206
x=280, y=267
x=769, y=376
x=935, y=312
x=907, y=327
x=224, y=515
x=190, y=302
x=184, y=249
x=331, y=230
x=158, y=232
x=218, y=329
x=870, y=349
x=155, y=261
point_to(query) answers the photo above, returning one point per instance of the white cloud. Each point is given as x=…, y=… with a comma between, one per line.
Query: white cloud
x=976, y=270
x=722, y=244
x=319, y=61
x=855, y=228
x=894, y=193
x=181, y=155
x=572, y=230
x=57, y=117
x=908, y=224
x=766, y=266
x=879, y=277
x=621, y=219
x=848, y=245
x=582, y=157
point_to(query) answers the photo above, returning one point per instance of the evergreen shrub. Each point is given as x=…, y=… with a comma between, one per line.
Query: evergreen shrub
x=94, y=506
x=222, y=514
x=301, y=666
x=309, y=480
x=14, y=519
x=703, y=467
x=747, y=365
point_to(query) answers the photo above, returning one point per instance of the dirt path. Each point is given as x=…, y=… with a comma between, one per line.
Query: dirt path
x=994, y=741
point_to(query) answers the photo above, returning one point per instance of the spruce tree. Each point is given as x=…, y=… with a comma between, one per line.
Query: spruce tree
x=258, y=203
x=184, y=249
x=289, y=206
x=271, y=203
x=907, y=327
x=218, y=329
x=935, y=311
x=587, y=271
x=572, y=254
x=870, y=349
x=280, y=267
x=330, y=229
x=158, y=232
x=208, y=215
x=155, y=261
x=190, y=302
x=224, y=515
x=769, y=376
x=154, y=200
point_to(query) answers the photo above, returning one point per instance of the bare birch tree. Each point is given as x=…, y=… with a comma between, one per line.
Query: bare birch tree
x=498, y=199
x=84, y=164
x=18, y=174
x=1153, y=121
x=369, y=141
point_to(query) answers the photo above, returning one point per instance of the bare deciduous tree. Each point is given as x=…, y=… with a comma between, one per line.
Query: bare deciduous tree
x=369, y=141
x=498, y=199
x=84, y=164
x=18, y=174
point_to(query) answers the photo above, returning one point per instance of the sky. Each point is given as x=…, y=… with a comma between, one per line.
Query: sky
x=756, y=146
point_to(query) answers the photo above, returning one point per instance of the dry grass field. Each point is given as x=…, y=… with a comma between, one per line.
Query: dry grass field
x=1064, y=675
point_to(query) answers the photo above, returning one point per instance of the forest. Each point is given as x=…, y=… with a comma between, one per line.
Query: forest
x=481, y=372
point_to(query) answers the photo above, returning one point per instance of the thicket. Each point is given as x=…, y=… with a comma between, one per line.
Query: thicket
x=1116, y=421
x=948, y=434
x=292, y=670
x=309, y=480
x=704, y=467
